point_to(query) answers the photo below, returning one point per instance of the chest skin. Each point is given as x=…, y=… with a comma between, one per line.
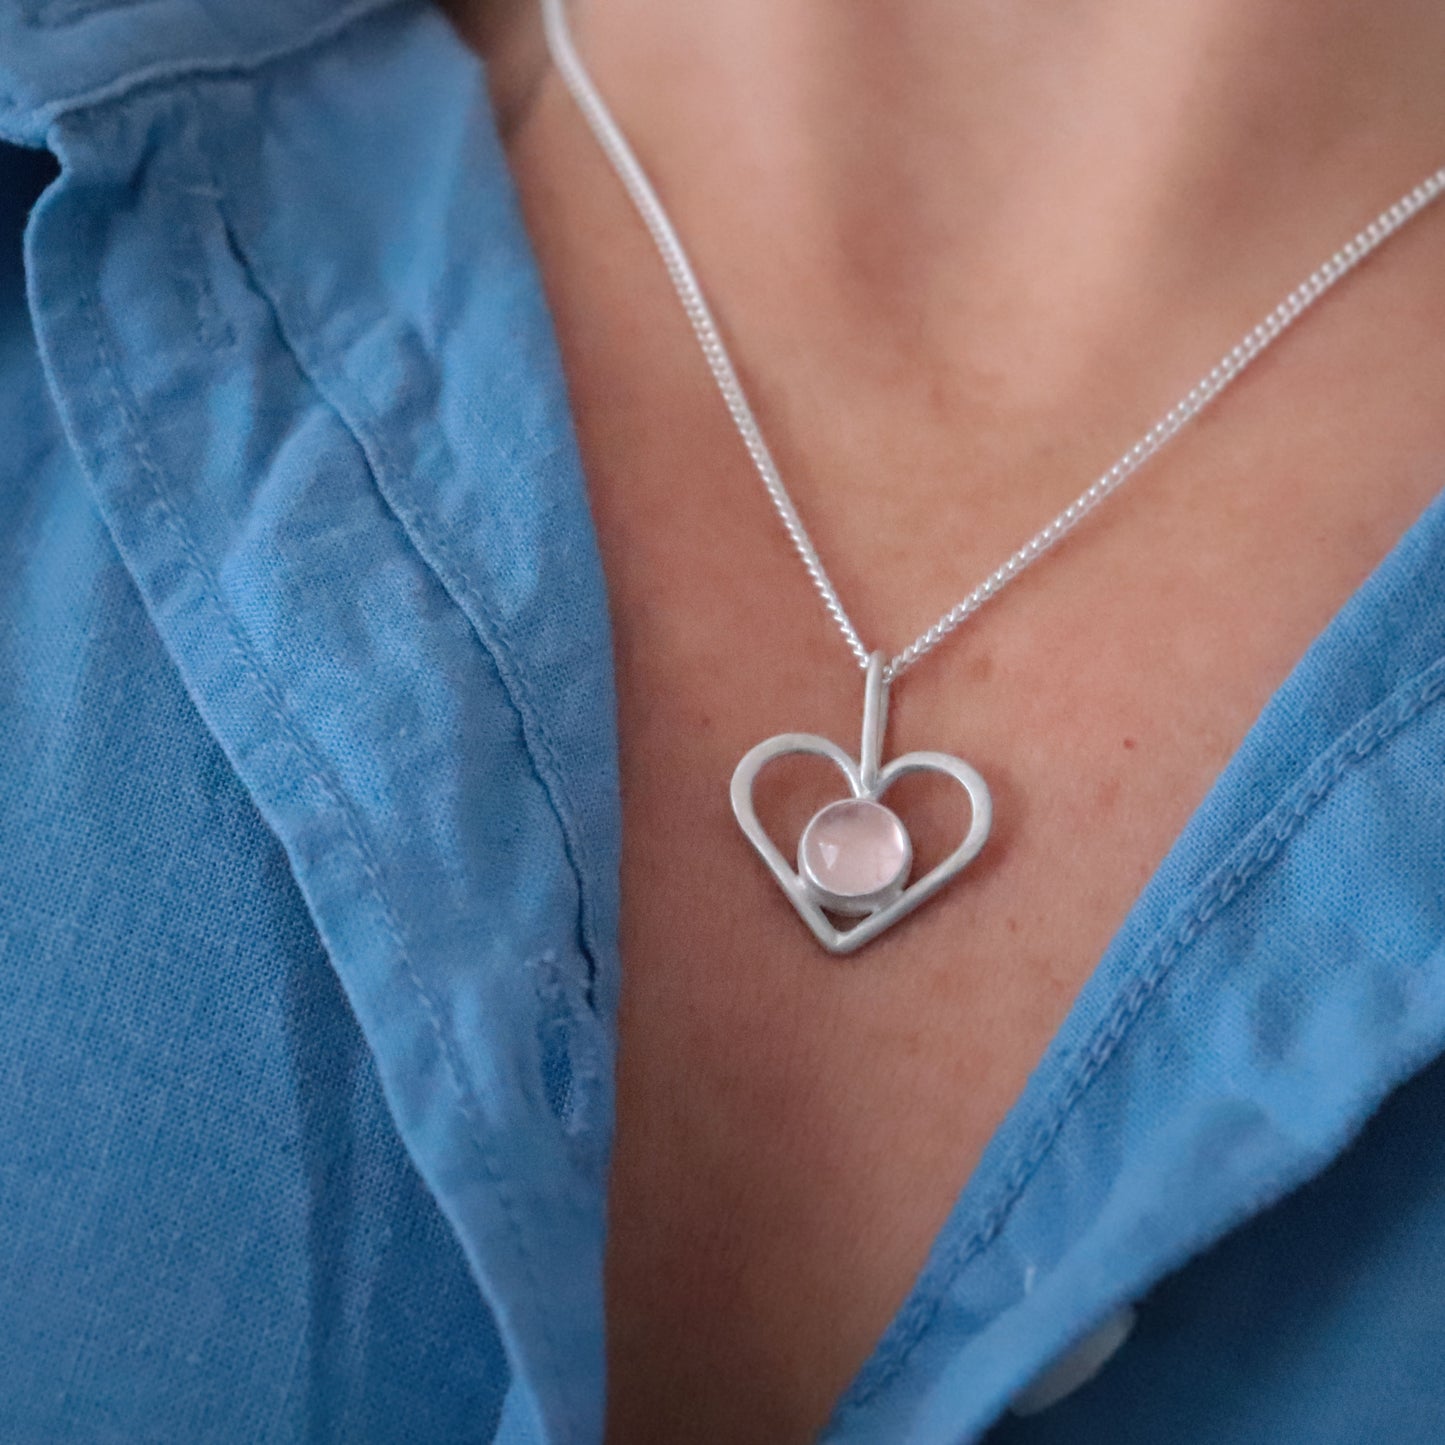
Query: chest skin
x=793, y=1128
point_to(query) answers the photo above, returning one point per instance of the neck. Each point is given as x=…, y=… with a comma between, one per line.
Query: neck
x=1035, y=185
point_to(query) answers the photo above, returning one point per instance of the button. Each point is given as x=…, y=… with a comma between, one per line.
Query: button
x=1076, y=1366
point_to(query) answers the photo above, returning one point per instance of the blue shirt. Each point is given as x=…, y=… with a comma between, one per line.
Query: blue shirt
x=309, y=846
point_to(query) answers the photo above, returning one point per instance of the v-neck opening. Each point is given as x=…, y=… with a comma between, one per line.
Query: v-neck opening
x=1223, y=840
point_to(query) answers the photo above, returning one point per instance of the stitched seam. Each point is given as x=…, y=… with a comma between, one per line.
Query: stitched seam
x=1270, y=836
x=455, y=580
x=168, y=72
x=318, y=776
x=522, y=696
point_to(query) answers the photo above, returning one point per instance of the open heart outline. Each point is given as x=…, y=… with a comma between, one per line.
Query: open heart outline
x=848, y=940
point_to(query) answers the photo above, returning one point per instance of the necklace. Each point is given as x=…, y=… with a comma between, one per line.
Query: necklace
x=854, y=858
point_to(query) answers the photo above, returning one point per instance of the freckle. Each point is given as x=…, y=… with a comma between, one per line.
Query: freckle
x=1130, y=743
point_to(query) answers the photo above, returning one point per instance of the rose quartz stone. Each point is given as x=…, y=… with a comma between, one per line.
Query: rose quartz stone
x=855, y=849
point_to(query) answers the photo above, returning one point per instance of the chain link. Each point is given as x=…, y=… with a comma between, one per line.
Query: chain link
x=679, y=269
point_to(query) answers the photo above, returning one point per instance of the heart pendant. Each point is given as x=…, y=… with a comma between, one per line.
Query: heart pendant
x=855, y=857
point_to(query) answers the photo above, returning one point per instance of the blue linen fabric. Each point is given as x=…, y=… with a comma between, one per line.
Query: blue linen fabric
x=309, y=842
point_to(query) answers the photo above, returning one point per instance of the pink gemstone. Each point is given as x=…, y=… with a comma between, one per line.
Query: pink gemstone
x=854, y=850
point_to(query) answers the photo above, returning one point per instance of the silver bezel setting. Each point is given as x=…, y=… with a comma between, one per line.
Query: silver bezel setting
x=854, y=905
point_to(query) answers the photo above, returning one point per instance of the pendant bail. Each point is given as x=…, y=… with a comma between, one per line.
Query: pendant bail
x=875, y=721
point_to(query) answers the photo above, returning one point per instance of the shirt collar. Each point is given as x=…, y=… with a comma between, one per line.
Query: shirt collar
x=60, y=55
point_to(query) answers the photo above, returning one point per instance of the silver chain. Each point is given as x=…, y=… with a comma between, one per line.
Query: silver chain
x=1230, y=366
